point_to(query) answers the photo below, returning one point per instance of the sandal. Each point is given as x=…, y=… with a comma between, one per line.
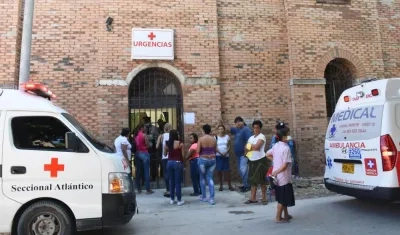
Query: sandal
x=282, y=221
x=250, y=202
x=265, y=202
x=290, y=217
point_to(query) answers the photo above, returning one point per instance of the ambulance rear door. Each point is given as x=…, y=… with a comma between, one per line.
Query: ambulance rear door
x=352, y=145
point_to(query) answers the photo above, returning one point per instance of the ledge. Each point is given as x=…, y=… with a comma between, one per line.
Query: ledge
x=307, y=81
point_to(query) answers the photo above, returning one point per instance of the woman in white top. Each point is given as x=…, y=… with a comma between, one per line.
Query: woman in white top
x=257, y=163
x=222, y=167
x=123, y=148
x=162, y=139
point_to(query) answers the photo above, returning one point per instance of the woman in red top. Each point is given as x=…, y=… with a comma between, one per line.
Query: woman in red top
x=143, y=156
x=174, y=149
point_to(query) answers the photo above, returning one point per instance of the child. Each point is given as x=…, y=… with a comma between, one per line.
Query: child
x=282, y=171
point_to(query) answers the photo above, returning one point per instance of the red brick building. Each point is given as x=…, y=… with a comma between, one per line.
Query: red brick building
x=268, y=60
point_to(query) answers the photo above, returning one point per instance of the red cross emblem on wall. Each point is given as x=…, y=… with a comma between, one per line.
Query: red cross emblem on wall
x=54, y=167
x=151, y=36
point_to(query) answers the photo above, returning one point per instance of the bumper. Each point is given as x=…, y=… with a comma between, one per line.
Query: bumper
x=377, y=193
x=118, y=209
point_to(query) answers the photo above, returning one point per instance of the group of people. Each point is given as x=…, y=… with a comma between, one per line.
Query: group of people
x=212, y=152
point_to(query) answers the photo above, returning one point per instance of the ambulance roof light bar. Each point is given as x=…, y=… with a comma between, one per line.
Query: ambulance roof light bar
x=39, y=90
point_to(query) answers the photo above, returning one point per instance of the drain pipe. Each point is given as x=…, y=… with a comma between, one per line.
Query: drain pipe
x=25, y=60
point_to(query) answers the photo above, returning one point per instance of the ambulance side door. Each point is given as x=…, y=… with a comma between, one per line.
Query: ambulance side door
x=3, y=199
x=37, y=164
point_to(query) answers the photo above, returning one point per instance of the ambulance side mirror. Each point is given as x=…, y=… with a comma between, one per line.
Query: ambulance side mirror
x=71, y=142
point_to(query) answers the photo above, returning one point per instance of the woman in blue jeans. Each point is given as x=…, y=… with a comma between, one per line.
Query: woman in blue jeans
x=193, y=157
x=143, y=156
x=175, y=151
x=207, y=151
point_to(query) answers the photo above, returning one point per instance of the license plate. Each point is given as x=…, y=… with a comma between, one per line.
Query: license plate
x=348, y=168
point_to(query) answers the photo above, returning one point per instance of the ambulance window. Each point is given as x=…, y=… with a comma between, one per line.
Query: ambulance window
x=39, y=133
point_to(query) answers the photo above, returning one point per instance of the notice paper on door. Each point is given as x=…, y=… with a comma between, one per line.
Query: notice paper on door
x=189, y=118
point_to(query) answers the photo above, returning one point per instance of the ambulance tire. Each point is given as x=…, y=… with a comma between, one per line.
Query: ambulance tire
x=44, y=208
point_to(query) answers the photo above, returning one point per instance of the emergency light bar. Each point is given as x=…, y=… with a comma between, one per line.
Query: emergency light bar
x=39, y=90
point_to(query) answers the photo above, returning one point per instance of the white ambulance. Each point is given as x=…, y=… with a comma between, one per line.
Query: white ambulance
x=56, y=177
x=362, y=142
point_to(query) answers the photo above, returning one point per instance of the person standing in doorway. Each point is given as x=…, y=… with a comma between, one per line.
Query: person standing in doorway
x=164, y=160
x=142, y=144
x=206, y=148
x=193, y=157
x=222, y=166
x=242, y=134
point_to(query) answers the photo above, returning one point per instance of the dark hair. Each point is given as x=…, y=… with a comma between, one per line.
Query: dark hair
x=221, y=126
x=195, y=137
x=238, y=119
x=125, y=132
x=280, y=125
x=138, y=127
x=173, y=135
x=207, y=129
x=258, y=123
x=282, y=132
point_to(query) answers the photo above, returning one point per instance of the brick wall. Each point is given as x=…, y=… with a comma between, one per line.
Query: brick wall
x=10, y=37
x=234, y=58
x=389, y=26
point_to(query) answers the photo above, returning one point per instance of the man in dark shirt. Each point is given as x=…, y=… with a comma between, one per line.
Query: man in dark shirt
x=242, y=134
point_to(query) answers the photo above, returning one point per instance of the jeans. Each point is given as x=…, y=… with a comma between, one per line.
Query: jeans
x=243, y=169
x=165, y=173
x=145, y=161
x=175, y=172
x=207, y=167
x=195, y=175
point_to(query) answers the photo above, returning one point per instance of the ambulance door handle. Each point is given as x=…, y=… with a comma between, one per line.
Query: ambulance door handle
x=18, y=170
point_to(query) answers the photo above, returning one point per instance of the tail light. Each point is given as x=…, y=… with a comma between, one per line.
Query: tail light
x=388, y=153
x=346, y=99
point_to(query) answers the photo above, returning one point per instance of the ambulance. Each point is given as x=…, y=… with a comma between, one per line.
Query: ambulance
x=362, y=142
x=55, y=176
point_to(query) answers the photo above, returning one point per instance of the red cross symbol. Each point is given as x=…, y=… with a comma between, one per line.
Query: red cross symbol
x=151, y=36
x=54, y=167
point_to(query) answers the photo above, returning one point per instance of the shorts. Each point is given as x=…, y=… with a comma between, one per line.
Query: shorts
x=285, y=195
x=222, y=163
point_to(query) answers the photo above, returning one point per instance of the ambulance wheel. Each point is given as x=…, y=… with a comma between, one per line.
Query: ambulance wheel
x=45, y=218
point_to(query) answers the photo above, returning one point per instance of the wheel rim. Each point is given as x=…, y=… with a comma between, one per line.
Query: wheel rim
x=45, y=224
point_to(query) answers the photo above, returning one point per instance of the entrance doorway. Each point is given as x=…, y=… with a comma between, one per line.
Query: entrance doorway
x=339, y=75
x=155, y=98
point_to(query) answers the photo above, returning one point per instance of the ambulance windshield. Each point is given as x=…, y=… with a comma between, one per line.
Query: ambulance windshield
x=89, y=136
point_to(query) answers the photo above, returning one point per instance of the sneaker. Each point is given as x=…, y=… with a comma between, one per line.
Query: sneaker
x=212, y=202
x=172, y=202
x=180, y=203
x=203, y=199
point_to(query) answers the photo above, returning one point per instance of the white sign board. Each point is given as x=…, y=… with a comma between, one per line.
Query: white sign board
x=189, y=118
x=152, y=44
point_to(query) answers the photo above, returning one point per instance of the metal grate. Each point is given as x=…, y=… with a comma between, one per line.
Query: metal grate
x=338, y=79
x=156, y=93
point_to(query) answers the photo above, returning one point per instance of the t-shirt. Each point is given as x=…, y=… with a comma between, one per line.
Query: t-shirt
x=255, y=155
x=195, y=154
x=122, y=140
x=281, y=155
x=165, y=138
x=241, y=137
x=141, y=143
x=222, y=144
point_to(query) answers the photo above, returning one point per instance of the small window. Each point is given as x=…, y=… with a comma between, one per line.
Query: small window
x=335, y=2
x=39, y=133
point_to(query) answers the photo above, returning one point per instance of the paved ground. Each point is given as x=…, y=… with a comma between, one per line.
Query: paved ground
x=339, y=215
